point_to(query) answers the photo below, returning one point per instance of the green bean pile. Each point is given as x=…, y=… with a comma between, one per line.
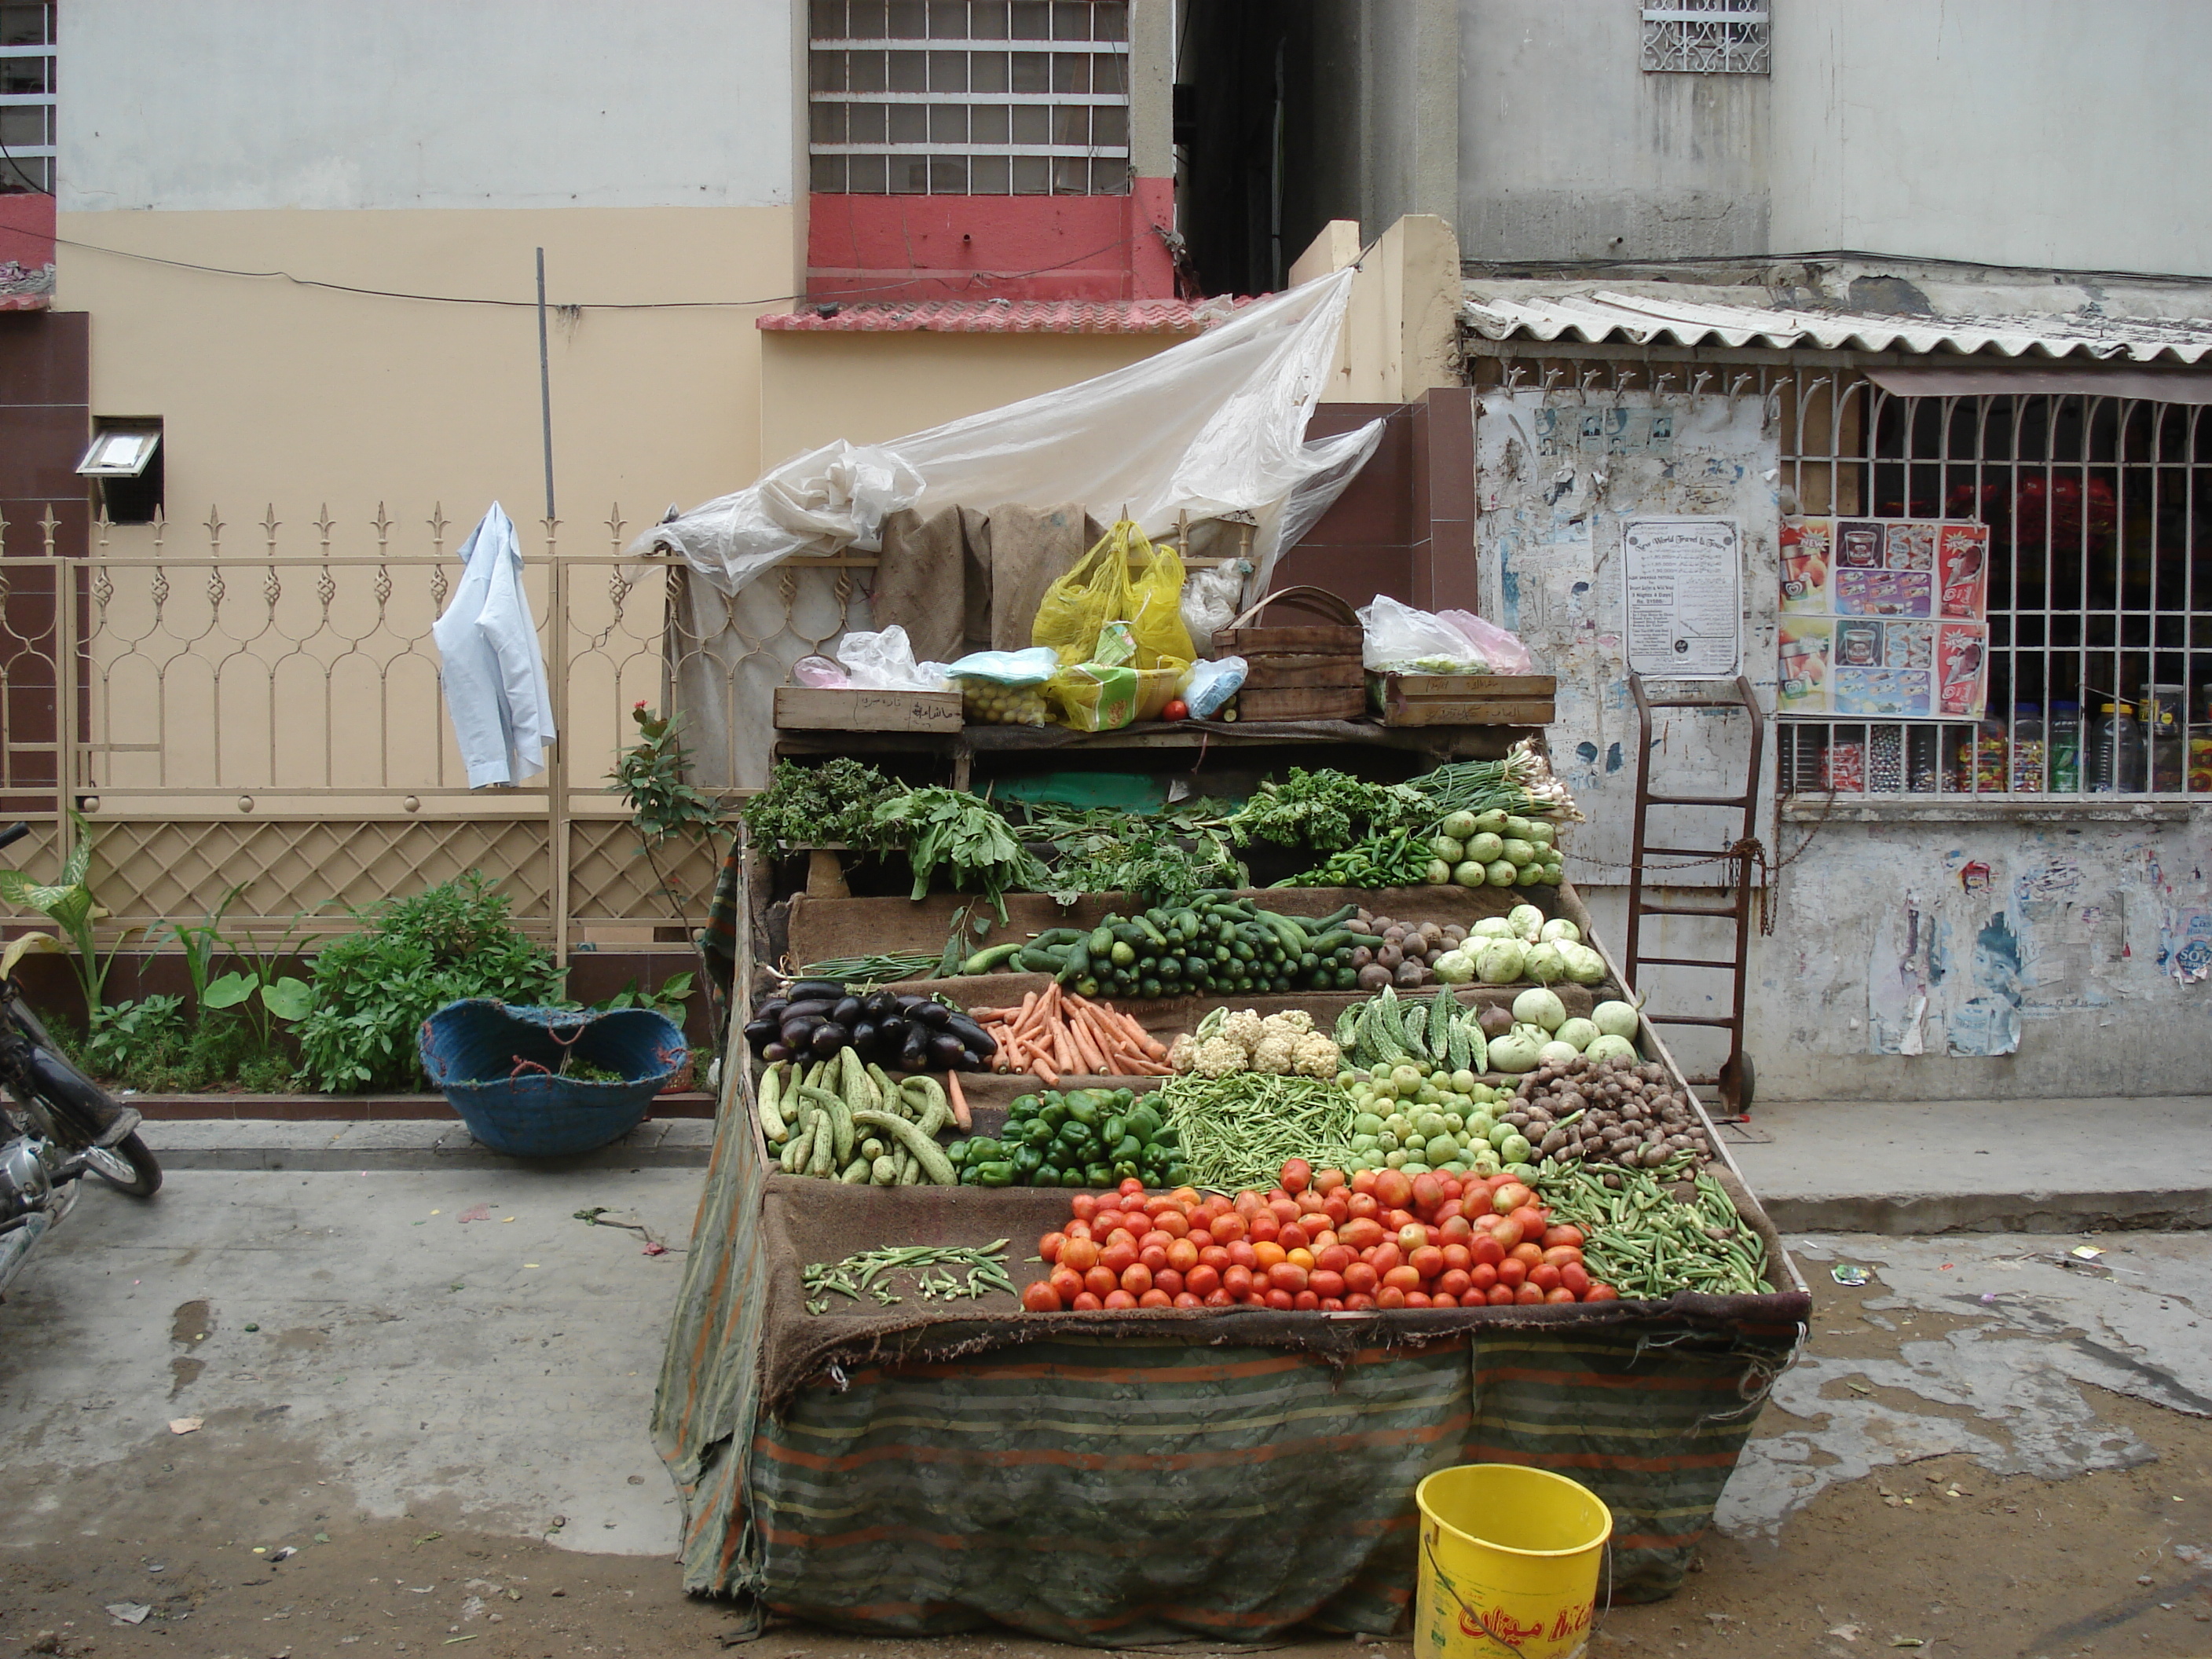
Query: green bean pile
x=1643, y=1242
x=856, y=1276
x=1237, y=1131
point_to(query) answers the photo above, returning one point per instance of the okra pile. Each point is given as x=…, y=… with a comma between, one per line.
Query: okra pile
x=1644, y=1240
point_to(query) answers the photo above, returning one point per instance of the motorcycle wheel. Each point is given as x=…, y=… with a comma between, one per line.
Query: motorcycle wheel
x=128, y=1166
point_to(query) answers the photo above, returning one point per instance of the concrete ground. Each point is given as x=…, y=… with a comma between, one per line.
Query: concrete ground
x=451, y=1338
x=1985, y=1166
x=1994, y=1446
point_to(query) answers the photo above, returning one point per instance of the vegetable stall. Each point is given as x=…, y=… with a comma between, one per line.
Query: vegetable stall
x=1102, y=1243
x=1175, y=1101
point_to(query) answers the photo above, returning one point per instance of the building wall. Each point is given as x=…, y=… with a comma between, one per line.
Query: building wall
x=1920, y=950
x=868, y=387
x=1983, y=131
x=425, y=149
x=1911, y=950
x=228, y=105
x=1568, y=150
x=1993, y=131
x=270, y=389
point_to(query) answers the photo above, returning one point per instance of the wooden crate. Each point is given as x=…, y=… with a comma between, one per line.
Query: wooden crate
x=1290, y=673
x=1340, y=636
x=1307, y=703
x=1463, y=699
x=1268, y=642
x=1298, y=673
x=826, y=709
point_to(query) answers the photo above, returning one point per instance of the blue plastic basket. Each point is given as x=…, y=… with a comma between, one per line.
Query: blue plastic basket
x=498, y=1065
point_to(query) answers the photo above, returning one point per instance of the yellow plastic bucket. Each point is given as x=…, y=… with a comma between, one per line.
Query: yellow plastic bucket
x=1509, y=1559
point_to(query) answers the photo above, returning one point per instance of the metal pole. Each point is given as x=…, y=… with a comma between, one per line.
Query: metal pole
x=545, y=387
x=557, y=824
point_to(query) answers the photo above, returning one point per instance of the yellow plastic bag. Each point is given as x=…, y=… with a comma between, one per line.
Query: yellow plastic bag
x=1098, y=697
x=1094, y=696
x=1103, y=588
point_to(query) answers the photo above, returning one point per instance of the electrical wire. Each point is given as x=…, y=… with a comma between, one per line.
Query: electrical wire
x=974, y=279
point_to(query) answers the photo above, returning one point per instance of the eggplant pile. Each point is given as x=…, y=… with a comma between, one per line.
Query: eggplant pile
x=819, y=1019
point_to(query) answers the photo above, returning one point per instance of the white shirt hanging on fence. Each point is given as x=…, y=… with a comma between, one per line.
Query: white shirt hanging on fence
x=493, y=674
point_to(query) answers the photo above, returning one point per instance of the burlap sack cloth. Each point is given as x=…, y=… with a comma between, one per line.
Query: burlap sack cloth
x=805, y=1220
x=962, y=580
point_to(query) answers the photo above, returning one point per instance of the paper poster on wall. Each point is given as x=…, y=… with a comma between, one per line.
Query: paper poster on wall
x=1885, y=618
x=1684, y=598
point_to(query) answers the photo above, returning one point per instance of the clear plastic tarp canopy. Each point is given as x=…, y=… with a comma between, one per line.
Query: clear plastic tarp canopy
x=1213, y=427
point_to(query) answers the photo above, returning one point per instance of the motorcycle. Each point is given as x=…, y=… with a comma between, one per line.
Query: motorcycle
x=57, y=1126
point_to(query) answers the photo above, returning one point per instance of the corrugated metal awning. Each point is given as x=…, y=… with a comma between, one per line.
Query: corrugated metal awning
x=1640, y=320
x=2157, y=385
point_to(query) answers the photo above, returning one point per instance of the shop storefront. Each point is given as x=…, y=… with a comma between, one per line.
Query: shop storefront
x=1982, y=815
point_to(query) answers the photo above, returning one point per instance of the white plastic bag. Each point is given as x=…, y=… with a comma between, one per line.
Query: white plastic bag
x=1212, y=684
x=1209, y=603
x=1502, y=651
x=821, y=674
x=1400, y=637
x=884, y=662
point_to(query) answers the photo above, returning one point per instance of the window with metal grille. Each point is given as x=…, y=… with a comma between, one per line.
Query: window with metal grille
x=968, y=97
x=1706, y=36
x=27, y=96
x=2100, y=625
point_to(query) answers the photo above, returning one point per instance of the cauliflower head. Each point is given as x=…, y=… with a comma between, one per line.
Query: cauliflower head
x=1294, y=1023
x=1315, y=1056
x=1244, y=1027
x=1182, y=1053
x=1272, y=1054
x=1218, y=1056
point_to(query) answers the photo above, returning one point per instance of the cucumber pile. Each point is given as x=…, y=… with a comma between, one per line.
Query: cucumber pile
x=1218, y=946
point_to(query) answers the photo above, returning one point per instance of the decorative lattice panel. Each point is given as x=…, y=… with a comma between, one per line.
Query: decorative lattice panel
x=610, y=879
x=146, y=871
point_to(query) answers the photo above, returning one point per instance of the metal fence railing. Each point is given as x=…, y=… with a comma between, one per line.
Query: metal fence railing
x=262, y=706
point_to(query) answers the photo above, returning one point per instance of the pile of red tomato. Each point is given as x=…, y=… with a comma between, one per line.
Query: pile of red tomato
x=1377, y=1239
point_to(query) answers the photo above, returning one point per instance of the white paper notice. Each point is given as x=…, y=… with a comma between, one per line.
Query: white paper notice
x=1684, y=598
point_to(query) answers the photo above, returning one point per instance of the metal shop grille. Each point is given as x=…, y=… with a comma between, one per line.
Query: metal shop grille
x=1706, y=36
x=2101, y=588
x=968, y=97
x=27, y=96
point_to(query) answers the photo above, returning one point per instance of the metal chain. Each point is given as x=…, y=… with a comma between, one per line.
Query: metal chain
x=1751, y=852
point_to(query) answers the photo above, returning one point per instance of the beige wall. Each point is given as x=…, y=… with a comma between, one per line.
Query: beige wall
x=1400, y=329
x=273, y=391
x=866, y=388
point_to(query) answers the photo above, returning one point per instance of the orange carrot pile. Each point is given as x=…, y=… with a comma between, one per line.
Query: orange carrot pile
x=1053, y=1034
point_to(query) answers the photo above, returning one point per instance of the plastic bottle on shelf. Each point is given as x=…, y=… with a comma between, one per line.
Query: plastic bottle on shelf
x=2116, y=750
x=2063, y=740
x=2161, y=708
x=2030, y=750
